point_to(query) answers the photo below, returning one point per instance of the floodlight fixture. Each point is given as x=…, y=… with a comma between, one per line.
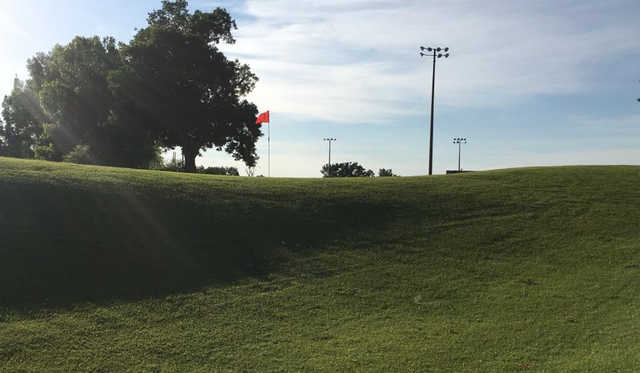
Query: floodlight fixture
x=330, y=140
x=435, y=53
x=459, y=141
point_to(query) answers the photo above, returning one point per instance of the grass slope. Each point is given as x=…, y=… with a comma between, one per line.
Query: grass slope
x=108, y=269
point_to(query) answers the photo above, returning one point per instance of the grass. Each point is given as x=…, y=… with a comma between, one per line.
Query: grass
x=108, y=269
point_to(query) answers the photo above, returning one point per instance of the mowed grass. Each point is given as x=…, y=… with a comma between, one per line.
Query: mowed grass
x=108, y=269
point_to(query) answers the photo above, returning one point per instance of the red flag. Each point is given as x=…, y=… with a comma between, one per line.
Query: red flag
x=263, y=118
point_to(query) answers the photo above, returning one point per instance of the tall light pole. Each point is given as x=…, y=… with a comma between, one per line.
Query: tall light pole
x=330, y=140
x=459, y=141
x=435, y=53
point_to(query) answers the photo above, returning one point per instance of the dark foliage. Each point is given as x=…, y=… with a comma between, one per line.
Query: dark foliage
x=72, y=83
x=225, y=171
x=23, y=122
x=120, y=103
x=383, y=172
x=177, y=84
x=345, y=169
x=80, y=154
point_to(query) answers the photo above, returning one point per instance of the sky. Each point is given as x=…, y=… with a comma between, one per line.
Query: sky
x=528, y=83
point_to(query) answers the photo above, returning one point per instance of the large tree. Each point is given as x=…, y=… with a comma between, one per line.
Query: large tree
x=177, y=83
x=74, y=90
x=23, y=121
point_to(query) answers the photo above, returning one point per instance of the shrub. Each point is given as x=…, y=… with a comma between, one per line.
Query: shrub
x=383, y=172
x=346, y=169
x=80, y=154
x=226, y=171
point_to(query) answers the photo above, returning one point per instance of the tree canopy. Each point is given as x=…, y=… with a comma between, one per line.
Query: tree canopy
x=179, y=85
x=73, y=86
x=23, y=122
x=345, y=169
x=113, y=103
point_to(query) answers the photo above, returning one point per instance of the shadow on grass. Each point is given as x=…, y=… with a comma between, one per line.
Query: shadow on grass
x=63, y=243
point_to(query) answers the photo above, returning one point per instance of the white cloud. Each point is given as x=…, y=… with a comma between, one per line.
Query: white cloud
x=357, y=61
x=626, y=126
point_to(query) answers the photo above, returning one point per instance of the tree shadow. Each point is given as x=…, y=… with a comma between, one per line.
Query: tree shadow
x=69, y=243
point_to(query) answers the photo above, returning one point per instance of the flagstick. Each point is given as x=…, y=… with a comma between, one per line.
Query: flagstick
x=269, y=141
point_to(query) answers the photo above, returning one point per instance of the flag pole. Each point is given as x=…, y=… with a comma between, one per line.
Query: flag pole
x=264, y=118
x=269, y=141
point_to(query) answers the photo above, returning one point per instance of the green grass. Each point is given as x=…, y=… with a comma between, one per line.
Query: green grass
x=106, y=269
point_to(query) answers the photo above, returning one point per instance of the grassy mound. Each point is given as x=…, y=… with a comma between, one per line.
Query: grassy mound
x=524, y=269
x=76, y=232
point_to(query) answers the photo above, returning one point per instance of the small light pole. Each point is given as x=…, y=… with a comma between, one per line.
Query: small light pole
x=330, y=140
x=459, y=141
x=437, y=53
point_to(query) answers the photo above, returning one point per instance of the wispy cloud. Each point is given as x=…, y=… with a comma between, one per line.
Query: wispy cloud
x=357, y=61
x=626, y=126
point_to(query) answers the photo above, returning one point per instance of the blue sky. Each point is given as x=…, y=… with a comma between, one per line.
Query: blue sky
x=529, y=82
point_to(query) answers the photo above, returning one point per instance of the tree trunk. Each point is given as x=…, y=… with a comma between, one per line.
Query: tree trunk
x=190, y=155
